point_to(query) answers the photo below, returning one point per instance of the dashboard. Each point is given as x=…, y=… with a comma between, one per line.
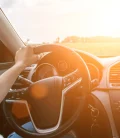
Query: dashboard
x=63, y=66
x=105, y=77
x=57, y=64
x=104, y=71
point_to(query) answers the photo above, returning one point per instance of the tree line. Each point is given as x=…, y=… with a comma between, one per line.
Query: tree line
x=77, y=39
x=95, y=39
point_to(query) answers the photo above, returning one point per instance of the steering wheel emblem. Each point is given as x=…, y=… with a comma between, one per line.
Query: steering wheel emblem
x=62, y=65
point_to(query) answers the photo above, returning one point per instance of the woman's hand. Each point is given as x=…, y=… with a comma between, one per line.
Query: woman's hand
x=25, y=56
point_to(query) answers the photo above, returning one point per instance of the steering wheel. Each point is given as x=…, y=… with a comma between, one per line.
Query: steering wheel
x=51, y=105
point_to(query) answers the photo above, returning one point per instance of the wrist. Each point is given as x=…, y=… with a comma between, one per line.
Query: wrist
x=20, y=65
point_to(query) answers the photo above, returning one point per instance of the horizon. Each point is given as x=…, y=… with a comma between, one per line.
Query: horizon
x=97, y=40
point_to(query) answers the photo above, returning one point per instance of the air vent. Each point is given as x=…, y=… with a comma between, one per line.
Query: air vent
x=114, y=75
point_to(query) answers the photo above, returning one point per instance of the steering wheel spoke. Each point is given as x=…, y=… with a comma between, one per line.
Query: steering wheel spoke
x=16, y=94
x=72, y=79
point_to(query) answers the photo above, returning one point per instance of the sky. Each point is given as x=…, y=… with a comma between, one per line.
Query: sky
x=45, y=20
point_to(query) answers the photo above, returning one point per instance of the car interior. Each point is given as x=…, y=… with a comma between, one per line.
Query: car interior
x=100, y=115
x=83, y=92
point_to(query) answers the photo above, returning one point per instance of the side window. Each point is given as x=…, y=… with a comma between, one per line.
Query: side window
x=6, y=58
x=5, y=54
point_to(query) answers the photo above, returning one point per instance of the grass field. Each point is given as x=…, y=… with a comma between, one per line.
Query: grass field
x=99, y=49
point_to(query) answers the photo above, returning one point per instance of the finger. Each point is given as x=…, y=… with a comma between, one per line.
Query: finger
x=38, y=57
x=32, y=46
x=21, y=48
x=35, y=50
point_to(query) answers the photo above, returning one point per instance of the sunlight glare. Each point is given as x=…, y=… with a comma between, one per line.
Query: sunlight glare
x=53, y=18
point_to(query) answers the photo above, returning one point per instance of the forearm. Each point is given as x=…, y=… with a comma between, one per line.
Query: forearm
x=8, y=78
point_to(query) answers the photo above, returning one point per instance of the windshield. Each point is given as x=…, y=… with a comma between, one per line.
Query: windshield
x=89, y=25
